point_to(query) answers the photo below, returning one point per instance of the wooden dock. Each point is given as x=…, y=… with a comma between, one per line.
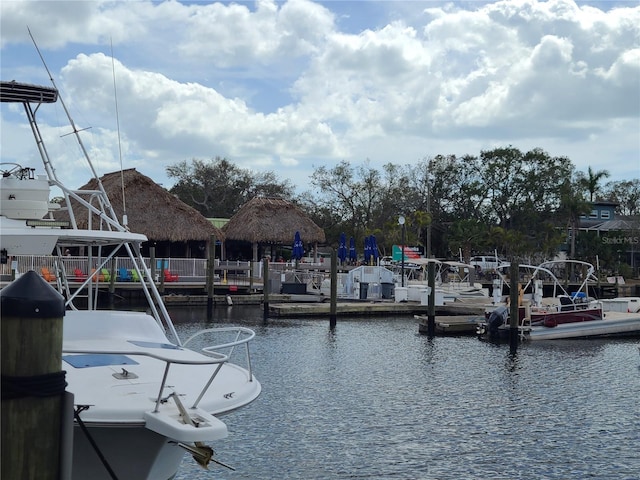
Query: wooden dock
x=369, y=308
x=450, y=325
x=295, y=306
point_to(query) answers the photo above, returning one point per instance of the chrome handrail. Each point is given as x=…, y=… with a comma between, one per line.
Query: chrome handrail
x=211, y=350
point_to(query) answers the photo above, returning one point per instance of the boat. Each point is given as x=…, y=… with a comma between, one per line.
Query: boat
x=452, y=279
x=564, y=314
x=142, y=396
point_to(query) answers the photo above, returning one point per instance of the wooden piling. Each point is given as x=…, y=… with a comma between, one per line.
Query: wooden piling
x=514, y=317
x=32, y=381
x=431, y=314
x=333, y=307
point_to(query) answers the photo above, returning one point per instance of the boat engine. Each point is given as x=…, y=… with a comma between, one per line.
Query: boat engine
x=497, y=318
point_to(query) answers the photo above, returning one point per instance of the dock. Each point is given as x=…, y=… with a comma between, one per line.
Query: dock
x=296, y=306
x=369, y=308
x=450, y=325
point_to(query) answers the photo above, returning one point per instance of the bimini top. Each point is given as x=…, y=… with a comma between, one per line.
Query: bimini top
x=25, y=93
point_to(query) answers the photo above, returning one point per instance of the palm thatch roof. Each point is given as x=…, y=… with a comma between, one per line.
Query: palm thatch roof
x=151, y=209
x=272, y=220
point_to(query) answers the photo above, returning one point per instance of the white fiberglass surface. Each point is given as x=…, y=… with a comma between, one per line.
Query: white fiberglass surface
x=120, y=386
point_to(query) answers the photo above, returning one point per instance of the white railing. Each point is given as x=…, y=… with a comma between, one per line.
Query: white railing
x=185, y=268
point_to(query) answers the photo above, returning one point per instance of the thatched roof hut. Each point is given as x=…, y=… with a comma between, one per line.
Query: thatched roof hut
x=271, y=221
x=153, y=211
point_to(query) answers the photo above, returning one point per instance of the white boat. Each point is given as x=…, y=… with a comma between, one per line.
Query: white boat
x=142, y=396
x=613, y=324
x=564, y=314
x=452, y=279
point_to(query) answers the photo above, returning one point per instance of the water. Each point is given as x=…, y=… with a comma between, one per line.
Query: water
x=375, y=400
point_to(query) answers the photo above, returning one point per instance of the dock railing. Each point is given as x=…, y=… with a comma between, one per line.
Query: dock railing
x=233, y=272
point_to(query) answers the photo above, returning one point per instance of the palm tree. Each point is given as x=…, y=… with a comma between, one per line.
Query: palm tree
x=591, y=181
x=572, y=206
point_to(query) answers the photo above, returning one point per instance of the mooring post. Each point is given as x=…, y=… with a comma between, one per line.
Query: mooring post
x=514, y=310
x=211, y=275
x=333, y=306
x=33, y=385
x=431, y=309
x=265, y=288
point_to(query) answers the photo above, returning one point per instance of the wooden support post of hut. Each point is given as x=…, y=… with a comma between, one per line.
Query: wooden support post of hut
x=265, y=288
x=33, y=385
x=211, y=274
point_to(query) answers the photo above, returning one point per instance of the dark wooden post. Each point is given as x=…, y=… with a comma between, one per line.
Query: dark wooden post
x=333, y=307
x=431, y=314
x=514, y=310
x=265, y=288
x=32, y=381
x=161, y=275
x=152, y=261
x=112, y=277
x=211, y=274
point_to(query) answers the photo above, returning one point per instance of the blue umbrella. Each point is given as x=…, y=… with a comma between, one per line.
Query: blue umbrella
x=353, y=255
x=374, y=248
x=342, y=248
x=367, y=250
x=298, y=249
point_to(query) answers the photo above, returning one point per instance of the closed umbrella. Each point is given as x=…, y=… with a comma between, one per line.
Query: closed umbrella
x=367, y=250
x=298, y=250
x=353, y=254
x=374, y=249
x=342, y=248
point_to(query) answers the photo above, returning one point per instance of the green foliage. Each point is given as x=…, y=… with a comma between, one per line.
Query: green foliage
x=520, y=204
x=591, y=181
x=626, y=193
x=218, y=188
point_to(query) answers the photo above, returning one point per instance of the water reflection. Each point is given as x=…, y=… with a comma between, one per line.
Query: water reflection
x=373, y=399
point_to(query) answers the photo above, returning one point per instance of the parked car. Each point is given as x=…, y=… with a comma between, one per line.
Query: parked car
x=386, y=261
x=485, y=262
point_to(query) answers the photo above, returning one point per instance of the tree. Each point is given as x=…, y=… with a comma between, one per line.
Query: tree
x=465, y=235
x=572, y=207
x=626, y=193
x=218, y=188
x=522, y=204
x=352, y=194
x=591, y=182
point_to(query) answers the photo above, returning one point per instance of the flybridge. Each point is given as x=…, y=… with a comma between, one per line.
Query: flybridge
x=26, y=93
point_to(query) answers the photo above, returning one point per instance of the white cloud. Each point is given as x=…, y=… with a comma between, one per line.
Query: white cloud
x=286, y=86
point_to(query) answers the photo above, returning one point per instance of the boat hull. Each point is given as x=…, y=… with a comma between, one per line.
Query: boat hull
x=619, y=325
x=131, y=452
x=553, y=319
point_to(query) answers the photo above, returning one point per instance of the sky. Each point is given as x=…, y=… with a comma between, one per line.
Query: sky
x=290, y=86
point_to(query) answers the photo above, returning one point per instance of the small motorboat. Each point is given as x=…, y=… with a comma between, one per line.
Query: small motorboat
x=565, y=315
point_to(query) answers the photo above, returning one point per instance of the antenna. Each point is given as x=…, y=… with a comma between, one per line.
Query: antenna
x=115, y=92
x=111, y=219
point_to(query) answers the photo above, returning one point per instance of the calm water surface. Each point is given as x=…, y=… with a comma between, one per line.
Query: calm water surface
x=375, y=400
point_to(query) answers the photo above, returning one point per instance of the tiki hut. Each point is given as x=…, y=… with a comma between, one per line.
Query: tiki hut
x=172, y=226
x=268, y=222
